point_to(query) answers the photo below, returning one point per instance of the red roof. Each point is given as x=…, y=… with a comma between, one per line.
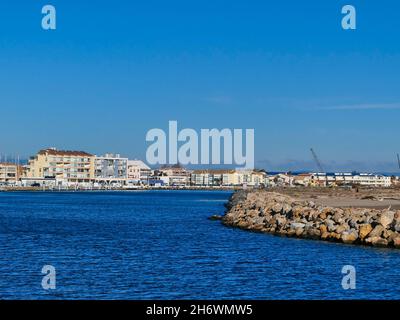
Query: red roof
x=55, y=152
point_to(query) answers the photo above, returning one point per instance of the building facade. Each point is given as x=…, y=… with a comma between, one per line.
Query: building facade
x=66, y=167
x=374, y=180
x=9, y=173
x=110, y=168
x=228, y=178
x=138, y=172
x=351, y=179
x=174, y=175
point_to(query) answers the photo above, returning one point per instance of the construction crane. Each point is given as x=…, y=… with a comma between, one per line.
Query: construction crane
x=319, y=165
x=398, y=160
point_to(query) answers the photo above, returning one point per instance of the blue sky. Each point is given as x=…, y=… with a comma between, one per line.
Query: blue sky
x=115, y=69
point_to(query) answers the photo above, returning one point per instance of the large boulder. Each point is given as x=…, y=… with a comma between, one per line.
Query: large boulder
x=364, y=230
x=296, y=225
x=286, y=209
x=252, y=213
x=397, y=226
x=349, y=236
x=325, y=235
x=342, y=228
x=330, y=224
x=338, y=216
x=325, y=212
x=311, y=231
x=386, y=218
x=299, y=231
x=281, y=221
x=396, y=242
x=376, y=232
x=277, y=208
x=323, y=229
x=377, y=241
x=242, y=224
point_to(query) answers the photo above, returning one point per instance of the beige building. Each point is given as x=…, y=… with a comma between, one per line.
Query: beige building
x=175, y=175
x=227, y=178
x=67, y=167
x=138, y=171
x=249, y=177
x=9, y=173
x=303, y=179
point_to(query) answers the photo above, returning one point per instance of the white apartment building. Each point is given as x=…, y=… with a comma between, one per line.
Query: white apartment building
x=110, y=168
x=373, y=180
x=362, y=179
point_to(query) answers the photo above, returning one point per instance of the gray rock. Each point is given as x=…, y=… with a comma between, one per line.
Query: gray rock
x=296, y=225
x=330, y=225
x=286, y=209
x=342, y=228
x=386, y=218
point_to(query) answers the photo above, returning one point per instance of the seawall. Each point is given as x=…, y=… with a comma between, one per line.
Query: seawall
x=283, y=215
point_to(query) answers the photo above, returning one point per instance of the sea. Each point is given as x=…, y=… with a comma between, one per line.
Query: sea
x=161, y=245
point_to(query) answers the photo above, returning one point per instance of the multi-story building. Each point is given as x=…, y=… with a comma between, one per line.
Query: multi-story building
x=111, y=168
x=211, y=177
x=249, y=177
x=66, y=167
x=373, y=180
x=9, y=173
x=361, y=179
x=227, y=178
x=138, y=171
x=175, y=175
x=279, y=179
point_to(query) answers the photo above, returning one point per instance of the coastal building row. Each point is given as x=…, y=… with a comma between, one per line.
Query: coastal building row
x=62, y=168
x=52, y=167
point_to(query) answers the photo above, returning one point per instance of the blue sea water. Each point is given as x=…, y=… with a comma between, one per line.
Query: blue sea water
x=160, y=245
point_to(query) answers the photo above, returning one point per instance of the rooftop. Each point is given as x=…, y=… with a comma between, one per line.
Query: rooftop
x=7, y=164
x=55, y=152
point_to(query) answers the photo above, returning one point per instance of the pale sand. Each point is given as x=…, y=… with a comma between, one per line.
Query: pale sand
x=373, y=198
x=347, y=202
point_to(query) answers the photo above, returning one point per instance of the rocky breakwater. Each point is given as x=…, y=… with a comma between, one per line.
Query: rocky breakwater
x=283, y=215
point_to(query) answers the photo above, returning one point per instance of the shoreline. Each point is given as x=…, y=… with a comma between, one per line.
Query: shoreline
x=283, y=215
x=41, y=190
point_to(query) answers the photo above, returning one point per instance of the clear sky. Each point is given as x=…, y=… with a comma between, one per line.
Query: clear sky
x=115, y=69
